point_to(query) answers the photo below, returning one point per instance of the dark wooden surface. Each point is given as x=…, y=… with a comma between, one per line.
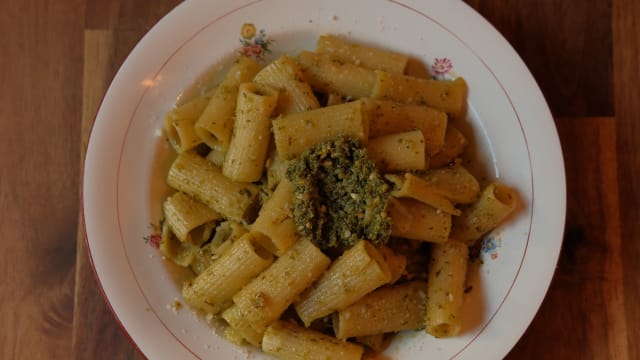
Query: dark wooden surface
x=57, y=57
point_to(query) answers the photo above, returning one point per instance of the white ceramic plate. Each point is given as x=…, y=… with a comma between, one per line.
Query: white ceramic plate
x=509, y=122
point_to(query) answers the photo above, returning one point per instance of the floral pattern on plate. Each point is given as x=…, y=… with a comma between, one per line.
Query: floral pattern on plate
x=154, y=237
x=490, y=247
x=442, y=69
x=255, y=44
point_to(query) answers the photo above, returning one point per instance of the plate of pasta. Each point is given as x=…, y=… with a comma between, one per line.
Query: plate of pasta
x=308, y=180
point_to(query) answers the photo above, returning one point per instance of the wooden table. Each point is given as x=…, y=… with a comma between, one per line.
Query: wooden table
x=59, y=56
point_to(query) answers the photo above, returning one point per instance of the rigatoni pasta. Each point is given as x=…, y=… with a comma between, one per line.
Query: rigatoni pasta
x=285, y=269
x=389, y=117
x=496, y=202
x=241, y=326
x=215, y=124
x=445, y=290
x=411, y=186
x=357, y=272
x=330, y=76
x=212, y=290
x=188, y=218
x=180, y=253
x=201, y=179
x=244, y=160
x=387, y=309
x=418, y=221
x=276, y=220
x=454, y=182
x=180, y=123
x=296, y=94
x=297, y=132
x=266, y=297
x=288, y=341
x=399, y=151
x=454, y=144
x=447, y=96
x=366, y=56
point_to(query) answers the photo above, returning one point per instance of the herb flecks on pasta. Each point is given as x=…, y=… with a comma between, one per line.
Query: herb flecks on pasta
x=314, y=195
x=339, y=196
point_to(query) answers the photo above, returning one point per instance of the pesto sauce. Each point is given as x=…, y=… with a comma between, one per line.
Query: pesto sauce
x=339, y=197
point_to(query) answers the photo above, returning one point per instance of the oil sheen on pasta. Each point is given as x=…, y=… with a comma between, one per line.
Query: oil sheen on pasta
x=339, y=196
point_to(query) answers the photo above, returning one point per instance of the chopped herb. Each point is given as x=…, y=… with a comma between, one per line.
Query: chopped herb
x=339, y=197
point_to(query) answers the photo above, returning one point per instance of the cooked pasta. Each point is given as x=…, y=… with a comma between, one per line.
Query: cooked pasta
x=292, y=342
x=445, y=290
x=312, y=196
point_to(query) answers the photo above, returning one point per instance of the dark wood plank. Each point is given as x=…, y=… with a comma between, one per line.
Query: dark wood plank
x=126, y=14
x=583, y=314
x=123, y=22
x=626, y=41
x=95, y=330
x=567, y=46
x=40, y=70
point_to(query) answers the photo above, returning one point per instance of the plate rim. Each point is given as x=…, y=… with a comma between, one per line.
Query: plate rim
x=183, y=5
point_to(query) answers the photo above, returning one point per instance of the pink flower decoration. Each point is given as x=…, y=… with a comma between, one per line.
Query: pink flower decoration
x=154, y=240
x=441, y=66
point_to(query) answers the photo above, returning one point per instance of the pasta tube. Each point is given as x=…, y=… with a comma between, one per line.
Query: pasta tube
x=454, y=144
x=412, y=186
x=202, y=260
x=447, y=96
x=215, y=124
x=204, y=181
x=234, y=317
x=445, y=290
x=418, y=221
x=276, y=220
x=289, y=341
x=181, y=253
x=496, y=202
x=296, y=95
x=224, y=235
x=387, y=309
x=188, y=217
x=388, y=117
x=266, y=297
x=328, y=76
x=365, y=56
x=212, y=290
x=297, y=132
x=244, y=160
x=453, y=182
x=358, y=271
x=179, y=123
x=399, y=151
x=227, y=232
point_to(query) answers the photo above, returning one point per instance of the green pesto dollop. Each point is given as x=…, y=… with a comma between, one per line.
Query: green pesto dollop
x=339, y=197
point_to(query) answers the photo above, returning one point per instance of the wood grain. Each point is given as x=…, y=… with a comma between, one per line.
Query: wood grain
x=138, y=15
x=39, y=175
x=589, y=266
x=626, y=41
x=567, y=46
x=95, y=330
